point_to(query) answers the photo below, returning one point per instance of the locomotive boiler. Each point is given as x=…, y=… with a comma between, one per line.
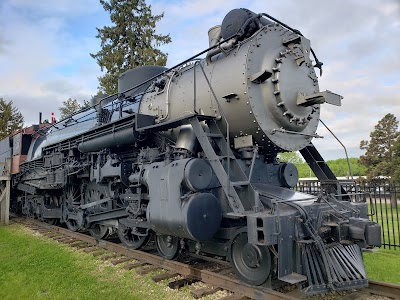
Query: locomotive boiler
x=187, y=156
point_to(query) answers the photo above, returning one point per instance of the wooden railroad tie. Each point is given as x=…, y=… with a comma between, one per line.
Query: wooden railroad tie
x=109, y=256
x=99, y=252
x=134, y=265
x=234, y=297
x=82, y=246
x=147, y=270
x=177, y=284
x=90, y=249
x=120, y=260
x=164, y=276
x=202, y=292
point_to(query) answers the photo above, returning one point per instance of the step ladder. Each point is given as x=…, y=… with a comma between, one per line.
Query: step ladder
x=237, y=188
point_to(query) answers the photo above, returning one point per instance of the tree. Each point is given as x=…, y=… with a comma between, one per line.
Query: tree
x=305, y=171
x=340, y=167
x=292, y=157
x=379, y=155
x=71, y=106
x=10, y=118
x=396, y=160
x=86, y=104
x=130, y=43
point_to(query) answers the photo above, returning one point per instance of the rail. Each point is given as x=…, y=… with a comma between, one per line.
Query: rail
x=188, y=271
x=217, y=277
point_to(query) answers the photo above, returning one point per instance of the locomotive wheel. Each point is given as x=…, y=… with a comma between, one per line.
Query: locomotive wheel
x=72, y=224
x=99, y=232
x=167, y=246
x=130, y=239
x=71, y=199
x=95, y=192
x=251, y=263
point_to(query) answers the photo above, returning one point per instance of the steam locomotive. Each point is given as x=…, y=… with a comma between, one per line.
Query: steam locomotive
x=187, y=157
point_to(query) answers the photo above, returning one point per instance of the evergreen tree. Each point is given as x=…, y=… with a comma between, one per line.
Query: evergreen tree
x=396, y=160
x=86, y=104
x=10, y=118
x=70, y=106
x=131, y=42
x=379, y=155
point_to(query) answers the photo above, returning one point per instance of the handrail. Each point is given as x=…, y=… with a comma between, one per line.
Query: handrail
x=345, y=150
x=221, y=111
x=195, y=86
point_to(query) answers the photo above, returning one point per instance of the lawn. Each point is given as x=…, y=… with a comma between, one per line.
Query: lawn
x=383, y=265
x=34, y=267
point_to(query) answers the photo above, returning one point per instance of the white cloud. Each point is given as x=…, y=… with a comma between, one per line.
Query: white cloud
x=37, y=56
x=44, y=56
x=66, y=8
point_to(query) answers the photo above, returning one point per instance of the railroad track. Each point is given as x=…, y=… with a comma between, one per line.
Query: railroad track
x=215, y=273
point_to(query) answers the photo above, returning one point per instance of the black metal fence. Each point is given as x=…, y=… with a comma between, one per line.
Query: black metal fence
x=383, y=198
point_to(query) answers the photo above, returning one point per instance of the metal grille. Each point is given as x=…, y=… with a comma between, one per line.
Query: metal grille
x=383, y=198
x=343, y=268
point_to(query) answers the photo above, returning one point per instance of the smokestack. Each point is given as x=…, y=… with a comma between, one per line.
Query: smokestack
x=40, y=117
x=52, y=118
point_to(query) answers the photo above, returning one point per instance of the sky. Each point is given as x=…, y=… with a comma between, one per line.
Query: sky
x=45, y=47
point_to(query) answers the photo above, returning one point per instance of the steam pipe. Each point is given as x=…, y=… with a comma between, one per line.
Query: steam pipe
x=118, y=138
x=167, y=99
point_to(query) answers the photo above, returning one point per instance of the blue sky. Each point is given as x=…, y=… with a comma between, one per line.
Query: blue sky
x=45, y=46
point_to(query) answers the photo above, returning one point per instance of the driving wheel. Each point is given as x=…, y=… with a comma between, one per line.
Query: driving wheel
x=252, y=263
x=167, y=246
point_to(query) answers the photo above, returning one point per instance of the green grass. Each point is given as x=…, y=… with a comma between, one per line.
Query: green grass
x=383, y=265
x=34, y=267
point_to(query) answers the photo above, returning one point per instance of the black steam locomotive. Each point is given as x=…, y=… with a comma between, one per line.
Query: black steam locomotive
x=188, y=156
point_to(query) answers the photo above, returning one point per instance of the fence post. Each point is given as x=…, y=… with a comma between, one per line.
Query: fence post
x=5, y=194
